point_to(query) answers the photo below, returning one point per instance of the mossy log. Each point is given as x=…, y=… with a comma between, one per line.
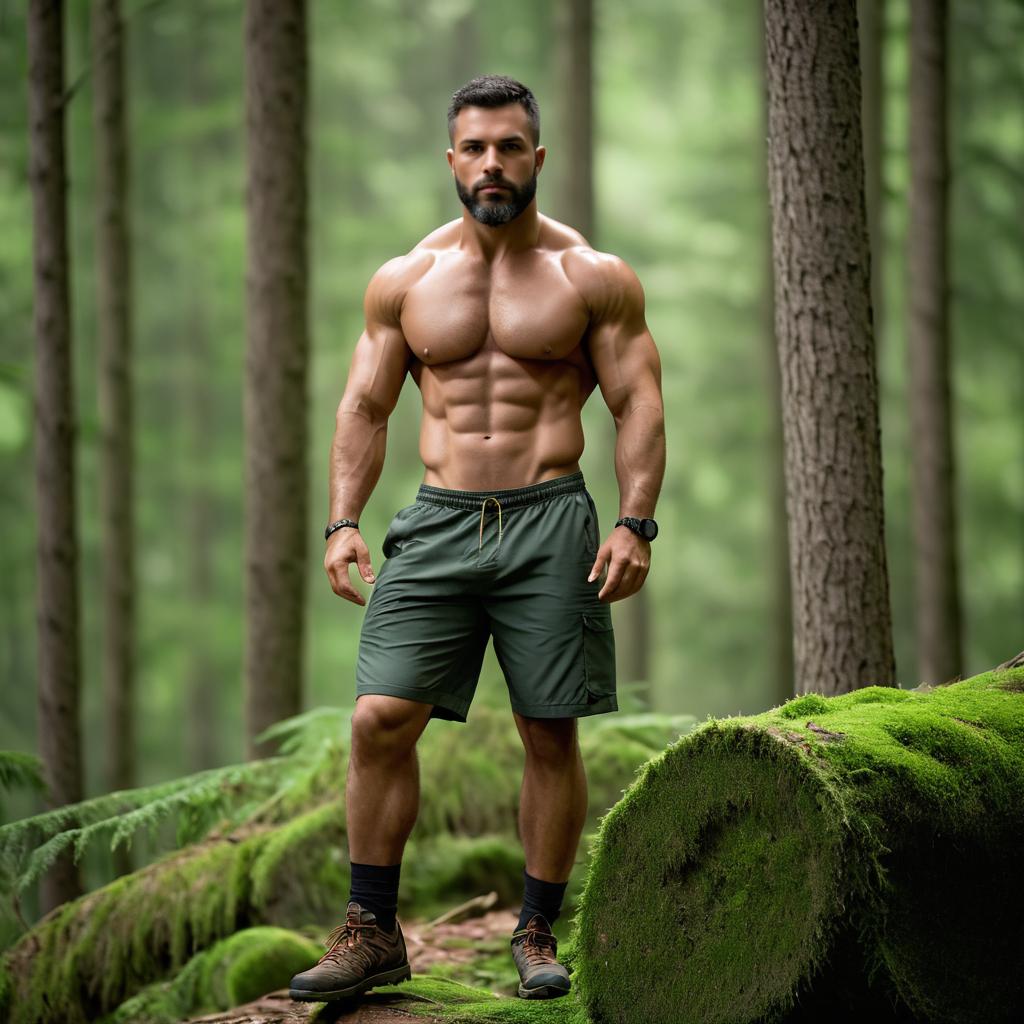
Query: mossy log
x=860, y=851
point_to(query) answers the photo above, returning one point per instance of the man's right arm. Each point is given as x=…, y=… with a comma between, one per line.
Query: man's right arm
x=375, y=379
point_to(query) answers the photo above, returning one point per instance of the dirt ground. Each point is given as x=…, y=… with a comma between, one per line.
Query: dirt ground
x=474, y=951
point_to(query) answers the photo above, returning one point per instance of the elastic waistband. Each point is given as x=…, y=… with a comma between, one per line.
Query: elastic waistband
x=515, y=497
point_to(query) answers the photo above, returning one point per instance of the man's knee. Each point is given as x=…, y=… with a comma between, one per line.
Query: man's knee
x=387, y=726
x=549, y=740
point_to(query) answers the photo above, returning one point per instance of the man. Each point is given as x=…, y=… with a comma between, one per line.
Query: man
x=506, y=320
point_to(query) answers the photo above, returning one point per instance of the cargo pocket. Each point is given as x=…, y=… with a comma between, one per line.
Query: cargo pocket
x=598, y=656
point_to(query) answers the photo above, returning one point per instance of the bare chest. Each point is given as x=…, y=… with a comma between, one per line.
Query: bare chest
x=527, y=309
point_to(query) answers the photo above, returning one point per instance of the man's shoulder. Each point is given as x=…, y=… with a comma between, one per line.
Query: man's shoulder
x=607, y=283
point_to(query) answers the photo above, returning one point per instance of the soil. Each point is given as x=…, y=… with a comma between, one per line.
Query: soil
x=463, y=950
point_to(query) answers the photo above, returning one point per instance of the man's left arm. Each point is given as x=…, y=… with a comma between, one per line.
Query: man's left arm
x=628, y=371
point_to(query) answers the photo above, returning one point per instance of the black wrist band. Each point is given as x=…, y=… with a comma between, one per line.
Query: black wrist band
x=338, y=525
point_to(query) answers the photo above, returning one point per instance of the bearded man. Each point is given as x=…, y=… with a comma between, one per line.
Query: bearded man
x=506, y=320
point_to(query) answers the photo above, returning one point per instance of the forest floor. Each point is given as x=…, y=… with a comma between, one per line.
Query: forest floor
x=474, y=952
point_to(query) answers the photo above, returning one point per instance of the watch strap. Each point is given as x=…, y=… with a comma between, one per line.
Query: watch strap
x=333, y=527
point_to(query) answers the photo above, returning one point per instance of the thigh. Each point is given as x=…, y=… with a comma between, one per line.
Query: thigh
x=424, y=633
x=552, y=636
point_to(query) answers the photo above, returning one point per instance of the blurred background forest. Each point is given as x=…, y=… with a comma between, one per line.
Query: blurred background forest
x=680, y=194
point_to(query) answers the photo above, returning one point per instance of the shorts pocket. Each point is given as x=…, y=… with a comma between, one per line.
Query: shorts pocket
x=591, y=539
x=598, y=655
x=399, y=531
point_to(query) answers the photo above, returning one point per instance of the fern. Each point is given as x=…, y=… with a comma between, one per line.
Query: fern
x=20, y=770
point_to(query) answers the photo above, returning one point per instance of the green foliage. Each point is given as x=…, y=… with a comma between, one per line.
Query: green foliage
x=195, y=803
x=17, y=769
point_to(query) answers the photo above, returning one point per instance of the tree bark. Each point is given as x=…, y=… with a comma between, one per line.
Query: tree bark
x=113, y=311
x=871, y=21
x=780, y=624
x=934, y=508
x=276, y=363
x=57, y=550
x=842, y=625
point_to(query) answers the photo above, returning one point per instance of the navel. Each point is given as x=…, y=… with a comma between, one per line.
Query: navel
x=547, y=350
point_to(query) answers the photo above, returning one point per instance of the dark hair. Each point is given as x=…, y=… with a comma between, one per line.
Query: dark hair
x=494, y=91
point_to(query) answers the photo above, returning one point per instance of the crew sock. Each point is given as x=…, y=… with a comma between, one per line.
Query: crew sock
x=375, y=887
x=540, y=897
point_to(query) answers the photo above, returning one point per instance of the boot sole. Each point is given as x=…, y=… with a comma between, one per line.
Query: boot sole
x=393, y=977
x=542, y=992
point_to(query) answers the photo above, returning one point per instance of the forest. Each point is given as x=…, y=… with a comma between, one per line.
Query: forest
x=807, y=803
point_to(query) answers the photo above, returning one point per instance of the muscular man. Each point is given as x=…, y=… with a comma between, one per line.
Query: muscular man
x=506, y=320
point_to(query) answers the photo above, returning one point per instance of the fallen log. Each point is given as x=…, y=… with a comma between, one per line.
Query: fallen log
x=859, y=852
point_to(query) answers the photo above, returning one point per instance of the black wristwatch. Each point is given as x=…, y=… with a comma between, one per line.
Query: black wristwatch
x=646, y=528
x=338, y=525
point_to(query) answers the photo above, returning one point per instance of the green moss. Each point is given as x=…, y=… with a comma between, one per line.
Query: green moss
x=749, y=851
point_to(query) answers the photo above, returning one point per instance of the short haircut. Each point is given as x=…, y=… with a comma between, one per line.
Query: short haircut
x=495, y=91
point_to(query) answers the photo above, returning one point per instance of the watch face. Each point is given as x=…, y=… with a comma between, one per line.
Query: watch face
x=649, y=528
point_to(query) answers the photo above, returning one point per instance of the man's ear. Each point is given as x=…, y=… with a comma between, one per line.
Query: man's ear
x=451, y=156
x=539, y=153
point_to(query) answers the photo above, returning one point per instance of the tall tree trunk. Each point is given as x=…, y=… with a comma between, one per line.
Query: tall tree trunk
x=934, y=516
x=574, y=183
x=57, y=550
x=574, y=204
x=202, y=690
x=871, y=20
x=780, y=650
x=842, y=622
x=113, y=274
x=276, y=363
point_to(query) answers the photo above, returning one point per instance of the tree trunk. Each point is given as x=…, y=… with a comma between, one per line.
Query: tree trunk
x=768, y=861
x=57, y=550
x=871, y=20
x=842, y=626
x=573, y=192
x=113, y=273
x=934, y=514
x=780, y=625
x=276, y=363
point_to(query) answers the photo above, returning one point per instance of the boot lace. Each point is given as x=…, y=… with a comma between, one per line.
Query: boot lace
x=346, y=942
x=539, y=947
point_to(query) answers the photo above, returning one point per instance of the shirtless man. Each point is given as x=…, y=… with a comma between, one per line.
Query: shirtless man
x=506, y=320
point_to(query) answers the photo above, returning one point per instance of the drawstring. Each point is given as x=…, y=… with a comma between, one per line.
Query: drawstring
x=483, y=509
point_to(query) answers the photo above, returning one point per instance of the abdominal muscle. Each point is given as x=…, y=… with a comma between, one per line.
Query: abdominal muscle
x=493, y=422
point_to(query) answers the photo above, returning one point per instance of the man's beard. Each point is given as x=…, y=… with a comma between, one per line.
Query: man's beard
x=494, y=214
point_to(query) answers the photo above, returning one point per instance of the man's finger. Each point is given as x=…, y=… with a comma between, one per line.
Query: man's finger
x=615, y=572
x=602, y=557
x=365, y=569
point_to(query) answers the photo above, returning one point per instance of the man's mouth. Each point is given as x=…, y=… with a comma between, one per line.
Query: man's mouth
x=492, y=188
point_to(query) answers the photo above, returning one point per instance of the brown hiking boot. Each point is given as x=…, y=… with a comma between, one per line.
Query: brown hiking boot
x=360, y=955
x=541, y=976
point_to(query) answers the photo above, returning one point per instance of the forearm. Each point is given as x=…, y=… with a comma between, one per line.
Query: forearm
x=357, y=457
x=640, y=459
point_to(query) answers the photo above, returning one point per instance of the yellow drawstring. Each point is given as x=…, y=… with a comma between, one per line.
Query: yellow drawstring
x=483, y=509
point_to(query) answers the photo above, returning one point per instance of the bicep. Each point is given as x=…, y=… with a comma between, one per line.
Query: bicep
x=377, y=373
x=622, y=350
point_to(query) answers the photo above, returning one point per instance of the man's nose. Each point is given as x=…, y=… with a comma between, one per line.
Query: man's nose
x=492, y=162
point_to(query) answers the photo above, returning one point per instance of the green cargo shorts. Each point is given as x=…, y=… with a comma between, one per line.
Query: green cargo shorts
x=463, y=566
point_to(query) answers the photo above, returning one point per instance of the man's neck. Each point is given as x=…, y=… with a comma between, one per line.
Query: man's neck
x=493, y=243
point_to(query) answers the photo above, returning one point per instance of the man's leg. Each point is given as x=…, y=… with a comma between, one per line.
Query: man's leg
x=382, y=794
x=552, y=810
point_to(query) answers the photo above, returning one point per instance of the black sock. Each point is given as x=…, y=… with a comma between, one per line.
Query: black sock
x=541, y=897
x=375, y=887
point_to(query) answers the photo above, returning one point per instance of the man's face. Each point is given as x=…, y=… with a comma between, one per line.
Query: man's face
x=494, y=162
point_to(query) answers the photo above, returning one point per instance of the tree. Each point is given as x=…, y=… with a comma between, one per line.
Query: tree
x=57, y=549
x=937, y=600
x=113, y=274
x=276, y=361
x=871, y=22
x=842, y=625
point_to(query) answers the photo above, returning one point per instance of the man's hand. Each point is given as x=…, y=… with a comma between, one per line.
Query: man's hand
x=628, y=557
x=343, y=548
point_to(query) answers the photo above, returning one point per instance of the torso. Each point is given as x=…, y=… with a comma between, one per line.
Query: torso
x=498, y=351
